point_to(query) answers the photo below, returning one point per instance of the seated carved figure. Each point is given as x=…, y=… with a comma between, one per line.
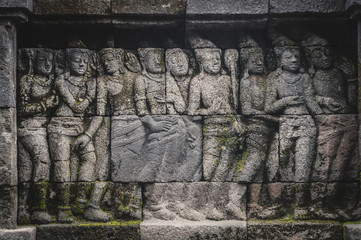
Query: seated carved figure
x=67, y=134
x=290, y=94
x=37, y=101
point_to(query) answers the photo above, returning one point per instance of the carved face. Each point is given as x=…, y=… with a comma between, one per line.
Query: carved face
x=255, y=64
x=153, y=62
x=321, y=58
x=111, y=64
x=178, y=64
x=79, y=63
x=43, y=63
x=211, y=62
x=290, y=60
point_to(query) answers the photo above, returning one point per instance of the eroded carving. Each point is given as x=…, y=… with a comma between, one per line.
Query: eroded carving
x=195, y=201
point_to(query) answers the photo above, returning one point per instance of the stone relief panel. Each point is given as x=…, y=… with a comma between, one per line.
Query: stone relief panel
x=185, y=115
x=156, y=148
x=195, y=201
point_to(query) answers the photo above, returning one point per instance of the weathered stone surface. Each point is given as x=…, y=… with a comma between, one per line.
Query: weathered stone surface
x=201, y=8
x=222, y=147
x=23, y=233
x=338, y=156
x=8, y=161
x=7, y=64
x=296, y=230
x=307, y=6
x=195, y=201
x=27, y=4
x=352, y=231
x=8, y=207
x=144, y=7
x=156, y=148
x=323, y=201
x=86, y=231
x=119, y=69
x=72, y=7
x=184, y=230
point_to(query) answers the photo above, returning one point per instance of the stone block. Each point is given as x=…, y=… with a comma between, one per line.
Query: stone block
x=195, y=201
x=8, y=207
x=183, y=230
x=7, y=64
x=123, y=231
x=307, y=6
x=295, y=230
x=23, y=233
x=145, y=7
x=322, y=201
x=203, y=8
x=352, y=231
x=27, y=4
x=337, y=153
x=141, y=153
x=72, y=7
x=8, y=157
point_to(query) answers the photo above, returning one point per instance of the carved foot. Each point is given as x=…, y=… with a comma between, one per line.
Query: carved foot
x=65, y=216
x=96, y=215
x=42, y=217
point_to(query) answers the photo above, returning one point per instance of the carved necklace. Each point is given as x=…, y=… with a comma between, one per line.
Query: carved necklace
x=77, y=84
x=113, y=79
x=159, y=79
x=40, y=82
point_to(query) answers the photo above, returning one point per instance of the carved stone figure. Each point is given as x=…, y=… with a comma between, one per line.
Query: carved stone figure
x=116, y=84
x=157, y=143
x=195, y=201
x=37, y=101
x=290, y=93
x=69, y=138
x=210, y=94
x=337, y=134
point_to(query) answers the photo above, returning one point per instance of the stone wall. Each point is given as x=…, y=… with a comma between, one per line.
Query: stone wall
x=179, y=120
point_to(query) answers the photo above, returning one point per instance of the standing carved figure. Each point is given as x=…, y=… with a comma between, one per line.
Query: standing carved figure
x=338, y=135
x=37, y=101
x=68, y=137
x=210, y=94
x=165, y=134
x=337, y=138
x=290, y=94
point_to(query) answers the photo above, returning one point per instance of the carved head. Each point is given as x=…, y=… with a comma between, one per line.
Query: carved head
x=290, y=60
x=43, y=62
x=209, y=60
x=152, y=59
x=78, y=60
x=317, y=52
x=177, y=62
x=252, y=56
x=287, y=53
x=111, y=59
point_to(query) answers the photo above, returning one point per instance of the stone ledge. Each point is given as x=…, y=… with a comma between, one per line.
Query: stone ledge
x=91, y=231
x=193, y=230
x=307, y=6
x=22, y=233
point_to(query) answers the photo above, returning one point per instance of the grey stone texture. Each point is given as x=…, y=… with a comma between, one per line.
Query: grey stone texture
x=88, y=231
x=307, y=6
x=203, y=8
x=144, y=7
x=72, y=7
x=184, y=230
x=296, y=230
x=142, y=152
x=8, y=207
x=22, y=233
x=195, y=201
x=8, y=64
x=352, y=231
x=8, y=152
x=27, y=4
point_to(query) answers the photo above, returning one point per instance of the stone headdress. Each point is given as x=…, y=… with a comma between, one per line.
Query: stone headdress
x=248, y=46
x=282, y=43
x=118, y=53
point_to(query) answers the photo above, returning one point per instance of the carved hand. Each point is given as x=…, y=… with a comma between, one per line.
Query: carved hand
x=51, y=101
x=80, y=142
x=292, y=100
x=160, y=126
x=332, y=105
